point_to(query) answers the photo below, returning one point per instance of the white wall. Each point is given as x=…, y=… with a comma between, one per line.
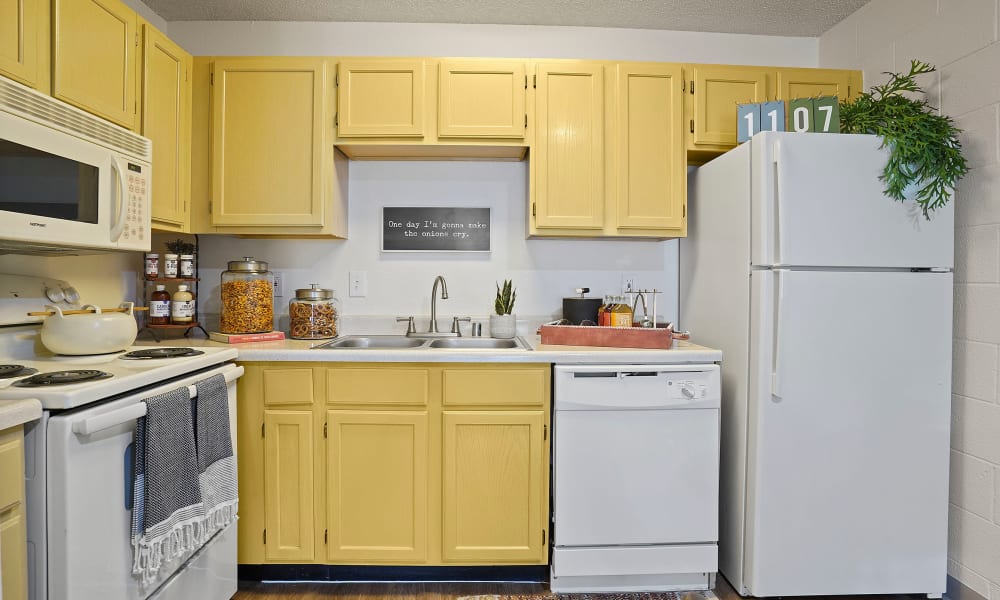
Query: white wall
x=544, y=271
x=960, y=37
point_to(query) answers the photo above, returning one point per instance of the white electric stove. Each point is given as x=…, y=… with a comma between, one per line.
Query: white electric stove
x=78, y=456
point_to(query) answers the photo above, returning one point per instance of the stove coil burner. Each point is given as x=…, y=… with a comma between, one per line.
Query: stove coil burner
x=160, y=353
x=10, y=371
x=62, y=378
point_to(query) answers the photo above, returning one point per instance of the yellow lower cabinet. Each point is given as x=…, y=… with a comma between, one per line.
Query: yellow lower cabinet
x=376, y=482
x=13, y=532
x=288, y=486
x=492, y=496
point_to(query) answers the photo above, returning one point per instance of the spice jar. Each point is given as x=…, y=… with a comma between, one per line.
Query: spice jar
x=247, y=297
x=170, y=265
x=314, y=313
x=186, y=265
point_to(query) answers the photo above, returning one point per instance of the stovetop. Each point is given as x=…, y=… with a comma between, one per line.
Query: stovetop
x=111, y=374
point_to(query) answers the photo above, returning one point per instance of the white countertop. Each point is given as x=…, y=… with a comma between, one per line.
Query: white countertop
x=300, y=350
x=17, y=412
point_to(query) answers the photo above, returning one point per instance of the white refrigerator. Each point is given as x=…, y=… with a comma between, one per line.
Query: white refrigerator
x=832, y=304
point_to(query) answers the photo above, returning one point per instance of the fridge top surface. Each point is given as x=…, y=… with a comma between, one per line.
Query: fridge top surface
x=817, y=200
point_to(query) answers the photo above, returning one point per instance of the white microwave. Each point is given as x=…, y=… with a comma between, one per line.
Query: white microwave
x=70, y=182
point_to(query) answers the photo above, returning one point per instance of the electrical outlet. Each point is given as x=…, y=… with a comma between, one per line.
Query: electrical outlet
x=358, y=284
x=629, y=282
x=279, y=288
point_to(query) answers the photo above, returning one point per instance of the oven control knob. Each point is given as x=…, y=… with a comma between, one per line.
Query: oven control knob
x=54, y=294
x=72, y=296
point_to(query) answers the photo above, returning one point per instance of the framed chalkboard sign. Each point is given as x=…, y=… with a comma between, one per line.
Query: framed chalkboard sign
x=435, y=229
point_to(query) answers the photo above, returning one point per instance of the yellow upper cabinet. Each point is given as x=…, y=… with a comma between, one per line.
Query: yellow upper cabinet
x=271, y=163
x=481, y=99
x=809, y=83
x=166, y=120
x=94, y=58
x=648, y=165
x=567, y=157
x=716, y=90
x=20, y=26
x=380, y=98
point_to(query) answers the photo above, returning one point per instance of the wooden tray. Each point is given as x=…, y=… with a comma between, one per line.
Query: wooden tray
x=615, y=337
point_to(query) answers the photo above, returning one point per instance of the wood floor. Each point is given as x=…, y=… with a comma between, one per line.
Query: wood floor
x=441, y=591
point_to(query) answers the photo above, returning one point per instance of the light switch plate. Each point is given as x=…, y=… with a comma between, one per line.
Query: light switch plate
x=358, y=285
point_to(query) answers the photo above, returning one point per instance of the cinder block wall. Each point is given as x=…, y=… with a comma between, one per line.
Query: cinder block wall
x=960, y=38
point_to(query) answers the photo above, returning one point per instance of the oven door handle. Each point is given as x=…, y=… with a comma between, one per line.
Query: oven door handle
x=134, y=411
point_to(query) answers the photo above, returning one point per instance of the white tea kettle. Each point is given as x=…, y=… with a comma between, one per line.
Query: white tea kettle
x=93, y=333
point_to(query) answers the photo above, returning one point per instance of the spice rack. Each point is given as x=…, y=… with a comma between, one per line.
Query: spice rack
x=149, y=286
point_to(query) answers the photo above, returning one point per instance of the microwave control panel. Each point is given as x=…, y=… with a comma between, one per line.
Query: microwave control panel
x=136, y=233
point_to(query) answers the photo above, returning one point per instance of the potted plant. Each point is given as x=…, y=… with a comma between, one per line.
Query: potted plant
x=924, y=150
x=503, y=324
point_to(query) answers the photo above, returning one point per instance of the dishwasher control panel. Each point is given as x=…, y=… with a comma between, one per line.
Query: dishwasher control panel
x=686, y=389
x=609, y=387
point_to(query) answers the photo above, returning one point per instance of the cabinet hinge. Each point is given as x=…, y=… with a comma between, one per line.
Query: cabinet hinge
x=525, y=82
x=325, y=531
x=336, y=80
x=265, y=536
x=336, y=119
x=692, y=125
x=261, y=430
x=532, y=209
x=187, y=74
x=534, y=81
x=543, y=538
x=684, y=210
x=684, y=84
x=525, y=120
x=692, y=86
x=136, y=39
x=324, y=429
x=545, y=432
x=211, y=79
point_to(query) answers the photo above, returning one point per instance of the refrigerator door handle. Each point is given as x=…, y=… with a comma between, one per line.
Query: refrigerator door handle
x=779, y=293
x=776, y=237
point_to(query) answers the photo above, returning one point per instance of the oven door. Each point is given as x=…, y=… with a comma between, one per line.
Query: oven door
x=89, y=502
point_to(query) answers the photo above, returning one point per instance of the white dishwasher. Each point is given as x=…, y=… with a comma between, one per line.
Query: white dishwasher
x=636, y=477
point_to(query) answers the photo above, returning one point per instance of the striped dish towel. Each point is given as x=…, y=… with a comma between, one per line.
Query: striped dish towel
x=216, y=463
x=168, y=513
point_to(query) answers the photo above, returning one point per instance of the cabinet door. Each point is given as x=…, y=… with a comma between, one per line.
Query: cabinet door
x=13, y=532
x=649, y=146
x=809, y=83
x=19, y=24
x=492, y=487
x=376, y=486
x=166, y=120
x=380, y=98
x=268, y=141
x=481, y=99
x=94, y=48
x=567, y=160
x=717, y=91
x=288, y=485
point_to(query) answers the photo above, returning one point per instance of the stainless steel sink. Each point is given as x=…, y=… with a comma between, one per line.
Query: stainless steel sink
x=474, y=343
x=372, y=341
x=402, y=342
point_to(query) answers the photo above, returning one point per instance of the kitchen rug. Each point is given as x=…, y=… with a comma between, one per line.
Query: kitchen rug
x=699, y=595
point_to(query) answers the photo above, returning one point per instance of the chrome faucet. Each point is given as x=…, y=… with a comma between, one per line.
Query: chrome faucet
x=444, y=296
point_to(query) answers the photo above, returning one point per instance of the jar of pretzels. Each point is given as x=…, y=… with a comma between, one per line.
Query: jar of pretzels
x=247, y=297
x=314, y=314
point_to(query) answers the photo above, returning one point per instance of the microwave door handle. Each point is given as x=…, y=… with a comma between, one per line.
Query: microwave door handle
x=118, y=226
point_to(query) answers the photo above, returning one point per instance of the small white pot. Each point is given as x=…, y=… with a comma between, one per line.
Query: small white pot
x=95, y=333
x=503, y=326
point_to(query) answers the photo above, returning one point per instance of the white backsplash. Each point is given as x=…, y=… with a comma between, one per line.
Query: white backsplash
x=399, y=284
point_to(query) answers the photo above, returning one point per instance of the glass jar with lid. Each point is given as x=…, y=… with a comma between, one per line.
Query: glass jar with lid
x=247, y=297
x=314, y=313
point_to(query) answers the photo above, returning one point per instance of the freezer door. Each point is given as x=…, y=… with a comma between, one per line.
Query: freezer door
x=817, y=201
x=847, y=481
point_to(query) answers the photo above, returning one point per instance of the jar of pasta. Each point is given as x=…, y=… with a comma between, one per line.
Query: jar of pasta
x=314, y=313
x=247, y=297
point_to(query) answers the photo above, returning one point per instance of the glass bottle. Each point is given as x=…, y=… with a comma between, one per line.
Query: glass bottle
x=182, y=306
x=314, y=313
x=621, y=314
x=159, y=306
x=247, y=297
